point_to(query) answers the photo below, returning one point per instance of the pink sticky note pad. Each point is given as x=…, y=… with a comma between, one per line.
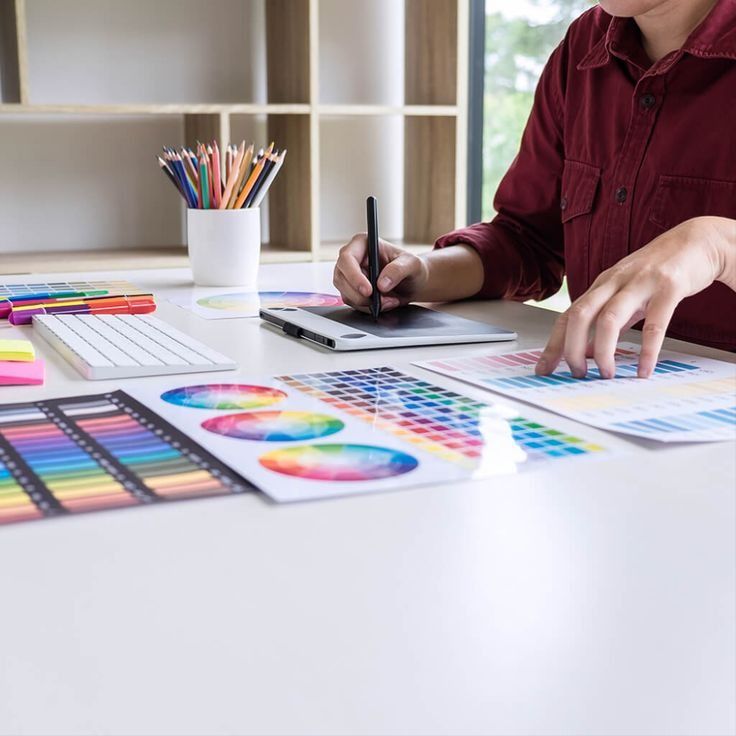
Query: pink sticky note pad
x=15, y=373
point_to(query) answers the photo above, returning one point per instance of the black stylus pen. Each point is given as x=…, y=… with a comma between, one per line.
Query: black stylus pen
x=374, y=266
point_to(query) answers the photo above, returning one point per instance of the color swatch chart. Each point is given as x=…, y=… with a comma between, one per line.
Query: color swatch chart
x=90, y=453
x=437, y=420
x=318, y=435
x=248, y=304
x=688, y=398
x=51, y=287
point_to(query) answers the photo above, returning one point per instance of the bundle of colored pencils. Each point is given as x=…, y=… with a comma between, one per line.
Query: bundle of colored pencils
x=235, y=181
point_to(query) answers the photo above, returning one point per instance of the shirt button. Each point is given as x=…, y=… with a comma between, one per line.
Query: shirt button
x=563, y=203
x=648, y=101
x=621, y=195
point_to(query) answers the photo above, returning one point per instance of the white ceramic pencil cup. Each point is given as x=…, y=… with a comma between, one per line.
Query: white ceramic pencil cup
x=224, y=246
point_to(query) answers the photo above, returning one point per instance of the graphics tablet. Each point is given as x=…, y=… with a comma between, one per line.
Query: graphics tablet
x=343, y=328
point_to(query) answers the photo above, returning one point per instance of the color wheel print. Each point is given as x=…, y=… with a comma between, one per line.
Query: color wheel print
x=224, y=396
x=274, y=426
x=338, y=462
x=250, y=302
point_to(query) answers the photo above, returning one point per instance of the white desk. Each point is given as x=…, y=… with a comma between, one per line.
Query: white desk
x=597, y=598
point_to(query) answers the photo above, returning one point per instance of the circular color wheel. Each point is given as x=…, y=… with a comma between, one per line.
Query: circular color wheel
x=224, y=396
x=252, y=301
x=274, y=426
x=338, y=462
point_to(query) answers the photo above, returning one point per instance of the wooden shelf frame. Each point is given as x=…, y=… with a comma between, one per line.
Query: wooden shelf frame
x=434, y=114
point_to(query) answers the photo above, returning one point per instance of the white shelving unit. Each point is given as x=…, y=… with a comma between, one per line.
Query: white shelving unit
x=309, y=74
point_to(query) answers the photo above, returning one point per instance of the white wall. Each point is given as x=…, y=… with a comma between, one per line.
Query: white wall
x=101, y=51
x=89, y=182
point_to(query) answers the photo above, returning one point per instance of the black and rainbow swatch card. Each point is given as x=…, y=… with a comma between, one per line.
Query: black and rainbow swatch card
x=88, y=453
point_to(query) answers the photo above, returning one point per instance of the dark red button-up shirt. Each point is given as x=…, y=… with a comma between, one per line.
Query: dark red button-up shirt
x=617, y=151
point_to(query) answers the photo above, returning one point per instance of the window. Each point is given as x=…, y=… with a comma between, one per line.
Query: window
x=519, y=37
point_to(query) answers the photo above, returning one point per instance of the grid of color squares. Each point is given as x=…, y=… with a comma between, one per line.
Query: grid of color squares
x=51, y=287
x=701, y=420
x=92, y=453
x=252, y=301
x=437, y=420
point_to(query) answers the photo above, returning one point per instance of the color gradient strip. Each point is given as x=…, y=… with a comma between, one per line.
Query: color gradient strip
x=152, y=458
x=15, y=503
x=76, y=479
x=91, y=453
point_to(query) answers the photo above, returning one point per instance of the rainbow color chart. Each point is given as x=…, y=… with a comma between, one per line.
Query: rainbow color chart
x=339, y=462
x=274, y=426
x=319, y=435
x=224, y=396
x=89, y=453
x=51, y=287
x=248, y=303
x=688, y=398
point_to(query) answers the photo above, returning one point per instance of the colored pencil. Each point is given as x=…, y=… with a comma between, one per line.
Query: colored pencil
x=242, y=173
x=263, y=191
x=216, y=179
x=170, y=175
x=270, y=162
x=204, y=183
x=252, y=178
x=238, y=157
x=208, y=178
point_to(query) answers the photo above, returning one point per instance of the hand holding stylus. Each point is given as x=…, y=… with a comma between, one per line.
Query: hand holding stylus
x=402, y=277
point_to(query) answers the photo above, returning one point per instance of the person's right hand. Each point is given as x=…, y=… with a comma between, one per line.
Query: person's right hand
x=403, y=275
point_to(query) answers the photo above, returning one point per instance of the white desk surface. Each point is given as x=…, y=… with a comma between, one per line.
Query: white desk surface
x=597, y=598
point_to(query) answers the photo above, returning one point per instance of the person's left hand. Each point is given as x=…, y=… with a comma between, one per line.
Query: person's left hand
x=648, y=284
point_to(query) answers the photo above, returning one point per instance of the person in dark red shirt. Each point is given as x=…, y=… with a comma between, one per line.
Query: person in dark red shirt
x=625, y=181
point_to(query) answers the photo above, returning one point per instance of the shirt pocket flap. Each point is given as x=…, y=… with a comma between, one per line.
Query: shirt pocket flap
x=679, y=198
x=579, y=185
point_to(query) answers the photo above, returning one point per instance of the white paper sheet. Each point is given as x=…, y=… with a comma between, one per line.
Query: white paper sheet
x=232, y=303
x=422, y=433
x=687, y=399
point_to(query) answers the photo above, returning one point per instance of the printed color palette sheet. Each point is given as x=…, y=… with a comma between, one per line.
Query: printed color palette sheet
x=317, y=435
x=89, y=453
x=687, y=399
x=37, y=287
x=232, y=304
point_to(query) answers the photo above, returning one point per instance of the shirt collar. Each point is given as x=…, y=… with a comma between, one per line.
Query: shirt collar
x=715, y=37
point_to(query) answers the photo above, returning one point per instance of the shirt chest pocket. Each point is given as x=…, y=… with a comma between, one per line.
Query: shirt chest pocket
x=679, y=198
x=577, y=196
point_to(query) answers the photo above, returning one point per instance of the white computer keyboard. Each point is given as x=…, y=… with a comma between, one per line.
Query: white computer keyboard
x=126, y=346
